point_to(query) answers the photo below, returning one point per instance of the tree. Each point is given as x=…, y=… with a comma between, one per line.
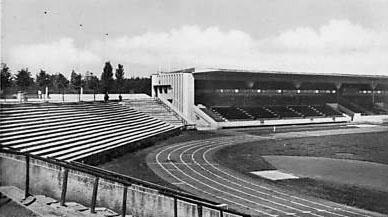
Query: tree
x=43, y=79
x=75, y=80
x=6, y=78
x=60, y=82
x=76, y=83
x=92, y=83
x=120, y=76
x=107, y=77
x=24, y=79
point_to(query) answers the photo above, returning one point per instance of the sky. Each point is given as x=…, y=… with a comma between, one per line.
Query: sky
x=146, y=36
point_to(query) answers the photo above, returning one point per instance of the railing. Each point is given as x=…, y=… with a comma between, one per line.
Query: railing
x=126, y=181
x=175, y=112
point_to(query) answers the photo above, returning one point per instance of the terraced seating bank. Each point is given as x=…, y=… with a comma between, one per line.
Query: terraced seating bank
x=76, y=131
x=227, y=113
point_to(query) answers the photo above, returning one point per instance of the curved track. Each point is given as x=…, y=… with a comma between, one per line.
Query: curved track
x=189, y=166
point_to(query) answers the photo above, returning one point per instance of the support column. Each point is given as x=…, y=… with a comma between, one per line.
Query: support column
x=124, y=207
x=27, y=184
x=199, y=209
x=64, y=186
x=175, y=207
x=94, y=196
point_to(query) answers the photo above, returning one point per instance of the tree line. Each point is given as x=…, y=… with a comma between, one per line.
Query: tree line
x=111, y=81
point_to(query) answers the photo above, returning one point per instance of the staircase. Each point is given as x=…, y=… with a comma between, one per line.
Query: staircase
x=74, y=131
x=156, y=109
x=41, y=206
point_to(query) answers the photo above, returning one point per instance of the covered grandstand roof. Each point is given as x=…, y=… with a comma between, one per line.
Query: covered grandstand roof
x=261, y=75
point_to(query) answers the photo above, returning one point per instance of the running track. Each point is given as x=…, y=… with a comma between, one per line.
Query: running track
x=189, y=166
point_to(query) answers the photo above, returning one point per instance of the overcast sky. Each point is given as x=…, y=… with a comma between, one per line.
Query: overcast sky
x=317, y=36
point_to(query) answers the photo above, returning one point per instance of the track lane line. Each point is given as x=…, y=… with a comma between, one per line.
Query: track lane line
x=281, y=193
x=255, y=190
x=205, y=192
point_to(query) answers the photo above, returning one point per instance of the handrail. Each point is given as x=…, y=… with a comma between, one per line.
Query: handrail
x=125, y=180
x=176, y=112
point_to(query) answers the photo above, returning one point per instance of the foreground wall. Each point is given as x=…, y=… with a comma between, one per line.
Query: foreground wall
x=47, y=179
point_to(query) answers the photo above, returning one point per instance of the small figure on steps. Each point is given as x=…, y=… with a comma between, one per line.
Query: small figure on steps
x=106, y=97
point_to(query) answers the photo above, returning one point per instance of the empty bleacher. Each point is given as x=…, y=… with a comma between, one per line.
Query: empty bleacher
x=74, y=131
x=374, y=109
x=326, y=111
x=260, y=112
x=306, y=111
x=232, y=113
x=213, y=114
x=154, y=108
x=224, y=113
x=284, y=111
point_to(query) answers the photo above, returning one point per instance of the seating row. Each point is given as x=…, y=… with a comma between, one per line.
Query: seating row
x=232, y=113
x=74, y=131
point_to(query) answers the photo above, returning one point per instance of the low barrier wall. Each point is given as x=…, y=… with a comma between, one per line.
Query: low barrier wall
x=276, y=122
x=379, y=119
x=70, y=182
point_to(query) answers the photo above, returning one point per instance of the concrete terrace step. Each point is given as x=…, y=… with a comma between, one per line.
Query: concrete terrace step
x=155, y=109
x=24, y=138
x=71, y=110
x=79, y=125
x=79, y=110
x=108, y=143
x=96, y=134
x=46, y=206
x=45, y=114
x=114, y=144
x=71, y=125
x=65, y=145
x=9, y=128
x=74, y=131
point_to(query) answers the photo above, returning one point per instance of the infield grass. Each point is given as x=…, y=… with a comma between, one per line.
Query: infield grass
x=372, y=147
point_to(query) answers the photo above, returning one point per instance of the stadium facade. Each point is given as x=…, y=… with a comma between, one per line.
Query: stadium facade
x=219, y=98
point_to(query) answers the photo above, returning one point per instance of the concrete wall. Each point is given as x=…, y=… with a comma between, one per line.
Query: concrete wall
x=203, y=120
x=181, y=90
x=379, y=119
x=282, y=122
x=46, y=179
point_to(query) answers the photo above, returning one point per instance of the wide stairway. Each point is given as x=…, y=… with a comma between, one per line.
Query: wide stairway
x=74, y=131
x=156, y=109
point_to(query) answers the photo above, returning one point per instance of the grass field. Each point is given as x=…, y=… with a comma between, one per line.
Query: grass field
x=366, y=147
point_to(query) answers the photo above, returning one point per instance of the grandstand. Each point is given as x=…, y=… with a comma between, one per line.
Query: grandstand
x=218, y=98
x=75, y=131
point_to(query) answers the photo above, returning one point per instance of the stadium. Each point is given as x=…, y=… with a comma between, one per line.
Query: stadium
x=207, y=142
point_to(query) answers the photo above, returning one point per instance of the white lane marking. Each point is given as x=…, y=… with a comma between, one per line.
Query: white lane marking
x=234, y=189
x=205, y=192
x=243, y=139
x=281, y=193
x=254, y=190
x=216, y=189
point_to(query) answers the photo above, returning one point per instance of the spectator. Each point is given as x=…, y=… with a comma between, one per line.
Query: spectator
x=106, y=97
